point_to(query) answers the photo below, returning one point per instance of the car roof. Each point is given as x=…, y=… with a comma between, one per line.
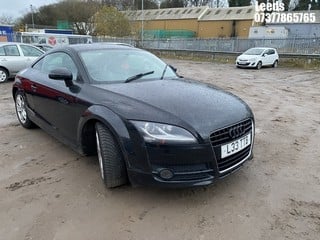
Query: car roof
x=10, y=43
x=264, y=48
x=95, y=46
x=7, y=43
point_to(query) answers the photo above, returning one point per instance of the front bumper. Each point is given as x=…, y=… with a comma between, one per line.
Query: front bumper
x=189, y=165
x=246, y=64
x=138, y=178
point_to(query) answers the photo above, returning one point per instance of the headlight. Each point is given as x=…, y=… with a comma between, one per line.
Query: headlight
x=252, y=59
x=163, y=133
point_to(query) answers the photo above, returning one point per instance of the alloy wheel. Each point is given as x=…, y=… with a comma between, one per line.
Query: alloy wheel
x=3, y=75
x=21, y=108
x=99, y=155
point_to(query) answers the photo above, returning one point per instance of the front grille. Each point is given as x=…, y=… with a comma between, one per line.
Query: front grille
x=229, y=162
x=223, y=136
x=193, y=176
x=243, y=63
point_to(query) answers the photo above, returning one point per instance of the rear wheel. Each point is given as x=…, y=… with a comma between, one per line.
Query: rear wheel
x=259, y=65
x=275, y=64
x=111, y=162
x=4, y=75
x=21, y=110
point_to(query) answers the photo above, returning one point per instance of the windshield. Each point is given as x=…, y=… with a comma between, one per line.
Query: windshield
x=254, y=51
x=119, y=65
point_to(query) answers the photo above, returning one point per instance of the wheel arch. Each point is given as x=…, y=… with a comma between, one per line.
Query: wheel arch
x=16, y=87
x=3, y=67
x=86, y=129
x=14, y=92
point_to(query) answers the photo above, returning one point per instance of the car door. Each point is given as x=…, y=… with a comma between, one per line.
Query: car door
x=55, y=103
x=272, y=56
x=11, y=58
x=268, y=57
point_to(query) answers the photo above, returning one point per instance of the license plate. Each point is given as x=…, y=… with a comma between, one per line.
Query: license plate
x=235, y=146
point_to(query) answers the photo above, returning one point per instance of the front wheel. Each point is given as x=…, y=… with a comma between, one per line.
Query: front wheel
x=111, y=162
x=259, y=65
x=21, y=110
x=4, y=75
x=275, y=64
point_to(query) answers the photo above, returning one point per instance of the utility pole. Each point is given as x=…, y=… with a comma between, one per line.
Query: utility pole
x=31, y=7
x=142, y=33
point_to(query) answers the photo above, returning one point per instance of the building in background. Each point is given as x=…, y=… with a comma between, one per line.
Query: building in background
x=203, y=22
x=300, y=29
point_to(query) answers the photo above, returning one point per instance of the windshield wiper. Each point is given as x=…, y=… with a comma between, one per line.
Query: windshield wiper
x=164, y=71
x=138, y=76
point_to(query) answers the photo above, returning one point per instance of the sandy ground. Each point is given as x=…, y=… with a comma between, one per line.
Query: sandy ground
x=47, y=191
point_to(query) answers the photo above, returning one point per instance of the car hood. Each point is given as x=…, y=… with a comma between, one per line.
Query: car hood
x=248, y=57
x=198, y=107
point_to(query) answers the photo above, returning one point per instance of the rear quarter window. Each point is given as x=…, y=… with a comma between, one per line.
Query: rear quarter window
x=29, y=51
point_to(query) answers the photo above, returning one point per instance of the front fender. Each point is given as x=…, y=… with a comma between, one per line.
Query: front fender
x=114, y=123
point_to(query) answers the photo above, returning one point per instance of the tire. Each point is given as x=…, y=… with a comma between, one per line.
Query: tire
x=4, y=75
x=112, y=165
x=275, y=64
x=21, y=111
x=259, y=65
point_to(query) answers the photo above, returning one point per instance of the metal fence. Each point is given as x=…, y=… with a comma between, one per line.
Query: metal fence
x=307, y=46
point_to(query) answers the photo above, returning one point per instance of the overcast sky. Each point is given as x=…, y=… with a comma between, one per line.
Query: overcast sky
x=17, y=8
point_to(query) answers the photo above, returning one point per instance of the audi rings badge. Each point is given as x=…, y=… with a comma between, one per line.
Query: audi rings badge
x=237, y=131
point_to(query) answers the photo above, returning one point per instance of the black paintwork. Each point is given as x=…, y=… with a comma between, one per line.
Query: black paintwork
x=69, y=114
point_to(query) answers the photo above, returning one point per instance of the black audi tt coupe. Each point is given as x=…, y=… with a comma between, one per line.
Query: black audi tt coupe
x=147, y=125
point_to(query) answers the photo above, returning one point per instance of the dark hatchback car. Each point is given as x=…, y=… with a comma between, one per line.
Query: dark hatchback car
x=147, y=125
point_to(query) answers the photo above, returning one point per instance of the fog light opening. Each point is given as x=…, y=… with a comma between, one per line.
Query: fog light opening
x=166, y=174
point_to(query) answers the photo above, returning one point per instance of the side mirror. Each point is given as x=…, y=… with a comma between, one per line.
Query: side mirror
x=62, y=74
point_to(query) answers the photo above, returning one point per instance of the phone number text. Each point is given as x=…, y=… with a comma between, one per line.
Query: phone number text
x=281, y=17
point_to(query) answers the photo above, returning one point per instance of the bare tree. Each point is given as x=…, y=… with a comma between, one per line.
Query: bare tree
x=239, y=3
x=78, y=14
x=198, y=3
x=147, y=4
x=172, y=4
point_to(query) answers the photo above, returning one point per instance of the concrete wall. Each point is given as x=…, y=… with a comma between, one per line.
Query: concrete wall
x=243, y=28
x=185, y=24
x=285, y=60
x=215, y=29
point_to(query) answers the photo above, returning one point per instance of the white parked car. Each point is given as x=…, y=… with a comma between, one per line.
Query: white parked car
x=15, y=57
x=258, y=57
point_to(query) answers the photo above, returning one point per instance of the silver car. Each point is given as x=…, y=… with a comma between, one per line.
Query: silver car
x=15, y=57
